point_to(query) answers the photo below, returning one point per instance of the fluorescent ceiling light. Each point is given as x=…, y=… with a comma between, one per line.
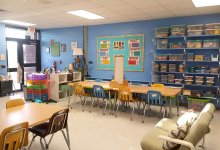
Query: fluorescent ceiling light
x=204, y=3
x=85, y=14
x=18, y=23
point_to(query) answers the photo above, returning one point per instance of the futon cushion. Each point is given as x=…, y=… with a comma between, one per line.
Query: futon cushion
x=151, y=141
x=179, y=133
x=187, y=118
x=40, y=130
x=166, y=124
x=199, y=128
x=209, y=108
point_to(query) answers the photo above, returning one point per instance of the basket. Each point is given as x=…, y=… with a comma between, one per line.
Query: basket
x=178, y=30
x=162, y=32
x=162, y=44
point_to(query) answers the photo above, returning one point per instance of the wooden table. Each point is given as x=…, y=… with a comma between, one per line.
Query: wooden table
x=166, y=91
x=33, y=113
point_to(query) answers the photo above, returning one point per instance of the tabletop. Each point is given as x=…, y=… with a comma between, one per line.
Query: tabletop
x=33, y=113
x=142, y=89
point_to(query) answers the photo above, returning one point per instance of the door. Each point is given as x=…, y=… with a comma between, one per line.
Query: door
x=27, y=54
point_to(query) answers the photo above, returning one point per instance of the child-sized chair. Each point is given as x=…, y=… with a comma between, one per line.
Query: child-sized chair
x=99, y=92
x=14, y=103
x=154, y=98
x=125, y=96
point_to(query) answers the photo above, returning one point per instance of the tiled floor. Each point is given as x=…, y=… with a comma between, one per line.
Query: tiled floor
x=93, y=131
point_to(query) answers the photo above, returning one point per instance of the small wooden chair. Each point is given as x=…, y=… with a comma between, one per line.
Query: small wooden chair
x=14, y=103
x=114, y=84
x=79, y=91
x=14, y=137
x=125, y=96
x=125, y=83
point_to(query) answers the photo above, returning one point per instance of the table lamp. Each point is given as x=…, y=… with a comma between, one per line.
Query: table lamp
x=77, y=52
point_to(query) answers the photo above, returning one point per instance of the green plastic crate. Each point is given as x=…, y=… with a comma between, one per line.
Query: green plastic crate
x=197, y=103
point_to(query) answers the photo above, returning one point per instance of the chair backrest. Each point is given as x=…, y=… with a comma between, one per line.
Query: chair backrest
x=125, y=83
x=124, y=93
x=78, y=89
x=14, y=103
x=113, y=84
x=58, y=121
x=98, y=91
x=157, y=85
x=98, y=80
x=14, y=137
x=154, y=98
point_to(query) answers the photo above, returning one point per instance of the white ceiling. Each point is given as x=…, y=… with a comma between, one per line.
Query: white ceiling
x=52, y=13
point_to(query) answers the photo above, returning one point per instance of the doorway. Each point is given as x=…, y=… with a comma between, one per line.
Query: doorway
x=26, y=53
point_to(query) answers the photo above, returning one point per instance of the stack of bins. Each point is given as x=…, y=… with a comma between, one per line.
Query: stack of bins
x=37, y=87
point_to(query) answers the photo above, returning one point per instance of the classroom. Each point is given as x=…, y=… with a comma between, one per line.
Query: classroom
x=109, y=74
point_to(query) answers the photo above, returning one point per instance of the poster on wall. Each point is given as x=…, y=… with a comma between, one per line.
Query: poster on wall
x=55, y=49
x=130, y=46
x=29, y=54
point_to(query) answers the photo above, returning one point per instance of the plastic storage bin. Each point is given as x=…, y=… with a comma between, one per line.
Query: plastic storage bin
x=162, y=43
x=156, y=67
x=199, y=78
x=210, y=79
x=212, y=29
x=190, y=56
x=178, y=81
x=194, y=30
x=199, y=82
x=161, y=57
x=164, y=78
x=197, y=104
x=176, y=57
x=214, y=70
x=163, y=67
x=172, y=67
x=214, y=57
x=194, y=44
x=178, y=30
x=199, y=57
x=162, y=32
x=188, y=77
x=214, y=43
x=188, y=82
x=176, y=45
x=171, y=78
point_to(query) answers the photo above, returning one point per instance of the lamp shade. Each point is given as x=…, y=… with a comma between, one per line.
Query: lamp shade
x=77, y=51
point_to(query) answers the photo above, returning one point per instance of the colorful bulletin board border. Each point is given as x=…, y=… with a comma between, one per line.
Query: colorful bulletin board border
x=130, y=46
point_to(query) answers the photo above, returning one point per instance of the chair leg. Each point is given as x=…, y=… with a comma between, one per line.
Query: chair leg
x=116, y=109
x=84, y=104
x=106, y=103
x=132, y=113
x=66, y=139
x=32, y=141
x=149, y=110
x=91, y=105
x=160, y=112
x=42, y=145
x=144, y=112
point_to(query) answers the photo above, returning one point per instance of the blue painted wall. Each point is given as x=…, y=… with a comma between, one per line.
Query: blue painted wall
x=146, y=27
x=3, y=71
x=64, y=36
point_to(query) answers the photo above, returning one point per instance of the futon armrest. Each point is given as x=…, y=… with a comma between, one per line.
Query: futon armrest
x=177, y=141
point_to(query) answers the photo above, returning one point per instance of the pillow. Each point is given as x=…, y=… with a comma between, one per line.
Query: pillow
x=180, y=133
x=187, y=118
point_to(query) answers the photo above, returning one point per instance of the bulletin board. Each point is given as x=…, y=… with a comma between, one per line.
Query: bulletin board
x=130, y=46
x=55, y=49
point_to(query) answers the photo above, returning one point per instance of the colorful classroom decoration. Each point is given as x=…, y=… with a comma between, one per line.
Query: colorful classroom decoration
x=55, y=48
x=130, y=46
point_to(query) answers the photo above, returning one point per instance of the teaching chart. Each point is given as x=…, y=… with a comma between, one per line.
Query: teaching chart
x=130, y=46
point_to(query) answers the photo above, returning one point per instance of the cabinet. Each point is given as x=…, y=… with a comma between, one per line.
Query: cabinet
x=192, y=62
x=59, y=82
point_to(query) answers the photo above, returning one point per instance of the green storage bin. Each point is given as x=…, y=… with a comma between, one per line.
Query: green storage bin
x=197, y=103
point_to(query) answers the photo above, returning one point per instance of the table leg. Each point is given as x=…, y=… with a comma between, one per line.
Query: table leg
x=177, y=105
x=170, y=107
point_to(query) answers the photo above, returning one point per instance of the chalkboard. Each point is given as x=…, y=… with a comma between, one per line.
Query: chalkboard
x=130, y=46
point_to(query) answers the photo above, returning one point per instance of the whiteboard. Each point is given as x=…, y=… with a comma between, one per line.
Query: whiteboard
x=119, y=69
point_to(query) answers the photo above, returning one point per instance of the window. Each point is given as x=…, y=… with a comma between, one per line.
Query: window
x=15, y=33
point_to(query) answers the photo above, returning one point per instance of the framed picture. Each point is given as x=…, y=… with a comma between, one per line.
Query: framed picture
x=63, y=47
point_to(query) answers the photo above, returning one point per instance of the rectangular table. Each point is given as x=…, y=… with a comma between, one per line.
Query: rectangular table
x=166, y=91
x=33, y=113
